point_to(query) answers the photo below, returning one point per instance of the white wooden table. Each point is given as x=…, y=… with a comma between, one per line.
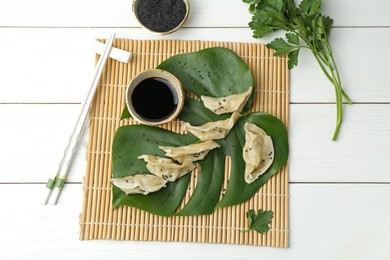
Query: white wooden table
x=339, y=191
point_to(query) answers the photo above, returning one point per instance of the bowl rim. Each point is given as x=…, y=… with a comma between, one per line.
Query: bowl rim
x=172, y=79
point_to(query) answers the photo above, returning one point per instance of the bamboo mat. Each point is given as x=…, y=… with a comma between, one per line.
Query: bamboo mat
x=98, y=219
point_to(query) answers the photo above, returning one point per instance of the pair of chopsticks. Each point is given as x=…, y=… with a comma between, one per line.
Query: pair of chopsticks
x=57, y=181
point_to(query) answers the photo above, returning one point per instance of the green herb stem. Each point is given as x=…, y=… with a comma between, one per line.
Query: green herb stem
x=337, y=72
x=329, y=71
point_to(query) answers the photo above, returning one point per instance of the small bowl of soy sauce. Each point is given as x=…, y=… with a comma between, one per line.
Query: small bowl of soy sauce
x=154, y=97
x=161, y=16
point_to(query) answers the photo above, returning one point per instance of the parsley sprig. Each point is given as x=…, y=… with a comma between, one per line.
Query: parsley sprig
x=259, y=221
x=306, y=28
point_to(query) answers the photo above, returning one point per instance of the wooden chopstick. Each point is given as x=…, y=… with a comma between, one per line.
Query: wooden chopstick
x=57, y=181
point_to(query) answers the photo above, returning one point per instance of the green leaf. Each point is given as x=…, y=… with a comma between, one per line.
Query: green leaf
x=280, y=46
x=259, y=31
x=252, y=4
x=208, y=187
x=293, y=38
x=125, y=113
x=293, y=59
x=251, y=1
x=324, y=24
x=291, y=9
x=260, y=221
x=310, y=7
x=219, y=72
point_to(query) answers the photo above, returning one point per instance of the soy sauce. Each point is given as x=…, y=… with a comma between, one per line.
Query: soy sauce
x=154, y=99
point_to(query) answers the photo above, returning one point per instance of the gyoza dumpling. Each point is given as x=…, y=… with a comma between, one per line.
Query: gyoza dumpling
x=258, y=152
x=223, y=105
x=166, y=168
x=192, y=152
x=139, y=184
x=213, y=130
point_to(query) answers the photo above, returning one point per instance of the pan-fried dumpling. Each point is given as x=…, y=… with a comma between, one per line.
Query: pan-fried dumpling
x=139, y=184
x=192, y=152
x=258, y=152
x=166, y=168
x=213, y=130
x=223, y=105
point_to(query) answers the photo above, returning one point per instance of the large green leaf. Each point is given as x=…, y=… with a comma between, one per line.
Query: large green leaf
x=214, y=72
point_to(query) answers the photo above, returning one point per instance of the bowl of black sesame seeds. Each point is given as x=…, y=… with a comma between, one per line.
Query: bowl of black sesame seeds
x=161, y=16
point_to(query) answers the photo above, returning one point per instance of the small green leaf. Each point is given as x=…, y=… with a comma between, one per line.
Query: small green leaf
x=280, y=46
x=260, y=221
x=259, y=31
x=291, y=9
x=293, y=59
x=293, y=38
x=310, y=7
x=125, y=113
x=324, y=24
x=277, y=5
x=251, y=1
x=252, y=4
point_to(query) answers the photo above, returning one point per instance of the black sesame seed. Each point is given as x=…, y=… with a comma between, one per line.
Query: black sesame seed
x=162, y=15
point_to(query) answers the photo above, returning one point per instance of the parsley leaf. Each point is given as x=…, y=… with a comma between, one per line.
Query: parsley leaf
x=259, y=31
x=310, y=7
x=292, y=38
x=293, y=59
x=280, y=46
x=260, y=221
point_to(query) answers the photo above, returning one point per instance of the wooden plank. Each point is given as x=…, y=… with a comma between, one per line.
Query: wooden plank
x=56, y=65
x=361, y=154
x=327, y=222
x=217, y=13
x=33, y=140
x=362, y=63
x=34, y=137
